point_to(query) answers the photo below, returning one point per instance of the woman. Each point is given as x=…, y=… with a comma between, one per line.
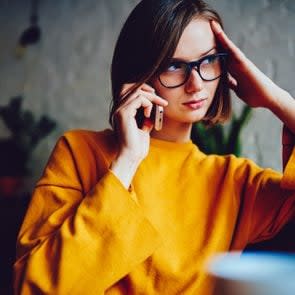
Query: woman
x=138, y=210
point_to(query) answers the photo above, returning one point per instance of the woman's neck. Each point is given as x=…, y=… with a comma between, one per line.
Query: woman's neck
x=173, y=131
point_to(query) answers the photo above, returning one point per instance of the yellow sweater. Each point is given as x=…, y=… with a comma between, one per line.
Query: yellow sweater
x=84, y=233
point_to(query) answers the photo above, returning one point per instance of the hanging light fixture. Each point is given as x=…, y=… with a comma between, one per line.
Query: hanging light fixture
x=32, y=34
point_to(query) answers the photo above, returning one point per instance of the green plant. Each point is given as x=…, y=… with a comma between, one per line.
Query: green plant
x=26, y=133
x=215, y=140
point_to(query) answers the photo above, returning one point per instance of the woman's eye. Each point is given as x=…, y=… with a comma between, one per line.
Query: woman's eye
x=210, y=60
x=174, y=67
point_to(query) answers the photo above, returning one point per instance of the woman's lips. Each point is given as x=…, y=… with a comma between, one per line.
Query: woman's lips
x=195, y=104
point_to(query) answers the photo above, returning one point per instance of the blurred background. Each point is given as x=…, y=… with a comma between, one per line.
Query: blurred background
x=55, y=57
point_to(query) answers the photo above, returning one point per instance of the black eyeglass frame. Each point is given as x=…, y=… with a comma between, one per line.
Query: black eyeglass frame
x=196, y=65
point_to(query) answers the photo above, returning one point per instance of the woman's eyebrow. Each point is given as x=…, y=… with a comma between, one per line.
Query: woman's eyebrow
x=175, y=59
x=205, y=53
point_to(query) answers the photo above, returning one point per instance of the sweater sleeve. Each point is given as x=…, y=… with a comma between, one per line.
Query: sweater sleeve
x=267, y=197
x=72, y=243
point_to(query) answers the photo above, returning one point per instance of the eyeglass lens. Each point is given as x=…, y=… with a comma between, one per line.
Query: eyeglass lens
x=210, y=68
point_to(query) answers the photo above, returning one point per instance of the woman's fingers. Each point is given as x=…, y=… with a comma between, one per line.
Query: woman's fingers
x=132, y=106
x=128, y=86
x=225, y=41
x=141, y=101
x=147, y=125
x=147, y=87
x=147, y=111
x=143, y=97
x=149, y=95
x=154, y=98
x=233, y=84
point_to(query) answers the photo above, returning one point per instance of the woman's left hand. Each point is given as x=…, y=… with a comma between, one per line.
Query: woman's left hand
x=248, y=82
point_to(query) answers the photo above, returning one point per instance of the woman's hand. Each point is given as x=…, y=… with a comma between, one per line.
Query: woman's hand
x=254, y=87
x=134, y=142
x=248, y=82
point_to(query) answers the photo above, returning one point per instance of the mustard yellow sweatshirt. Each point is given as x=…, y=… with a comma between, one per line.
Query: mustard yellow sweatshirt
x=84, y=233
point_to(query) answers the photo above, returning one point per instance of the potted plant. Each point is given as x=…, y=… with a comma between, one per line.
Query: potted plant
x=16, y=150
x=215, y=140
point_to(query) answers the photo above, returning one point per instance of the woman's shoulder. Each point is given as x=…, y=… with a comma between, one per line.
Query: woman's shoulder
x=231, y=163
x=104, y=140
x=86, y=145
x=88, y=135
x=80, y=156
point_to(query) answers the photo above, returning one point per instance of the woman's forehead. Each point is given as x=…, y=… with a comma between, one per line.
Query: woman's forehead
x=197, y=39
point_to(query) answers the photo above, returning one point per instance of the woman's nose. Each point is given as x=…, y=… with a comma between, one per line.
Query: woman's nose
x=194, y=82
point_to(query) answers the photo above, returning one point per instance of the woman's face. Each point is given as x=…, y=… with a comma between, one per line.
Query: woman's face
x=196, y=42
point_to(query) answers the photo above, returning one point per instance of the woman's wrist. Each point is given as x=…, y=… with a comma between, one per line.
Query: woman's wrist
x=281, y=100
x=276, y=96
x=124, y=167
x=284, y=108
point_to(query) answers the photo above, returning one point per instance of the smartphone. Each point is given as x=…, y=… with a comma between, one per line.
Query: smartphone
x=157, y=115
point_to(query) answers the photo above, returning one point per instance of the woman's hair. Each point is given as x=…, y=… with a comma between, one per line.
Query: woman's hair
x=148, y=41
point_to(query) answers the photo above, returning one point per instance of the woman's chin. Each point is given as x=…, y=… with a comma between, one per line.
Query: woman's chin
x=188, y=118
x=194, y=118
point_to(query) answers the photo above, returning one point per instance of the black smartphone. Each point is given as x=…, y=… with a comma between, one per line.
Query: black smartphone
x=157, y=115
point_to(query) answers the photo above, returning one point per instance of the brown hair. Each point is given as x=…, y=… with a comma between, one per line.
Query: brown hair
x=147, y=42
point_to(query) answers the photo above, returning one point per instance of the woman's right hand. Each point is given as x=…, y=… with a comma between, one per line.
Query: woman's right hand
x=134, y=142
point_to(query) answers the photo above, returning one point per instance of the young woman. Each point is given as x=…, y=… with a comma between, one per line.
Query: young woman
x=134, y=210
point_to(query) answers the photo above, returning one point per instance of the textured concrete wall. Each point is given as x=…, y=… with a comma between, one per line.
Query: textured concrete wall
x=67, y=74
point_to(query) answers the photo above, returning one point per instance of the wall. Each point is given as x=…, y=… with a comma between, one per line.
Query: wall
x=67, y=74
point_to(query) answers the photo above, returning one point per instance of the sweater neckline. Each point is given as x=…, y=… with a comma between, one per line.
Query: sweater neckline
x=165, y=144
x=171, y=145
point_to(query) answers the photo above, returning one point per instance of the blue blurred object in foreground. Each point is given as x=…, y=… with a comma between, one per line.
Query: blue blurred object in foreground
x=255, y=273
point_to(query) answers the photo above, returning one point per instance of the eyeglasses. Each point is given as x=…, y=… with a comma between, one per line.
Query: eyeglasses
x=209, y=67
